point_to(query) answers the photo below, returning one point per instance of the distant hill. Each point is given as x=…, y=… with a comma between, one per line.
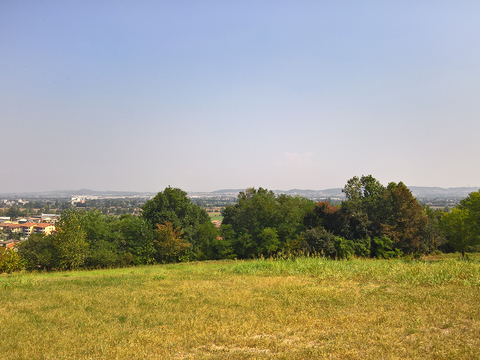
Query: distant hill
x=227, y=191
x=420, y=192
x=70, y=193
x=438, y=192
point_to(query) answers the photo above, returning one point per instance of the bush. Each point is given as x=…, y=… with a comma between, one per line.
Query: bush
x=103, y=254
x=383, y=248
x=344, y=249
x=169, y=244
x=39, y=252
x=320, y=241
x=10, y=260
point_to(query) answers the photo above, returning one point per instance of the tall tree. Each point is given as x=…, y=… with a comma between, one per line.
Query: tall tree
x=137, y=236
x=70, y=240
x=262, y=222
x=172, y=205
x=403, y=219
x=462, y=225
x=373, y=211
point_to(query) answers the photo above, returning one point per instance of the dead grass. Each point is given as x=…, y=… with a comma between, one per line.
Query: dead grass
x=308, y=308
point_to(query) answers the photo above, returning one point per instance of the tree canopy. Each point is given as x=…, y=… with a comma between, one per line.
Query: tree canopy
x=174, y=207
x=372, y=211
x=374, y=220
x=462, y=225
x=262, y=223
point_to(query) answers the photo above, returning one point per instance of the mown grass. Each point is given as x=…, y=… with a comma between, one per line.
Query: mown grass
x=283, y=309
x=214, y=217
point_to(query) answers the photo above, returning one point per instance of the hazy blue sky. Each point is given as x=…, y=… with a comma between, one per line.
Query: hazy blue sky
x=207, y=95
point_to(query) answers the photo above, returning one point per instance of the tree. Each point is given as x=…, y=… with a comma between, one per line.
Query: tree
x=373, y=211
x=173, y=206
x=103, y=254
x=321, y=241
x=99, y=227
x=363, y=193
x=137, y=238
x=212, y=246
x=472, y=204
x=13, y=212
x=403, y=219
x=462, y=225
x=39, y=251
x=432, y=234
x=269, y=242
x=383, y=248
x=10, y=260
x=70, y=240
x=169, y=243
x=258, y=210
x=344, y=221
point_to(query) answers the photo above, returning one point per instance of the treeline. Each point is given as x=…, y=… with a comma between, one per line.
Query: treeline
x=373, y=221
x=106, y=206
x=35, y=208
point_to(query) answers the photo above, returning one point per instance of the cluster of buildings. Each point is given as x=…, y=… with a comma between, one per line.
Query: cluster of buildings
x=44, y=224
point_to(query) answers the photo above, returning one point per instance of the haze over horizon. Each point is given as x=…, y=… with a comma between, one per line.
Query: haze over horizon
x=127, y=96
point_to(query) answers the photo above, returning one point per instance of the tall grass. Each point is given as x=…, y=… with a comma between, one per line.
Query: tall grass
x=366, y=271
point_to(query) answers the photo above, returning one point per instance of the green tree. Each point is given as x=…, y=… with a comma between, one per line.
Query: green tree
x=459, y=232
x=14, y=212
x=269, y=242
x=98, y=226
x=103, y=254
x=257, y=210
x=10, y=260
x=462, y=225
x=363, y=195
x=320, y=241
x=70, y=240
x=383, y=248
x=432, y=234
x=172, y=205
x=212, y=246
x=137, y=239
x=472, y=204
x=39, y=252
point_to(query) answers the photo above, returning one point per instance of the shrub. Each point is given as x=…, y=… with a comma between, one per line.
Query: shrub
x=383, y=248
x=10, y=260
x=169, y=244
x=321, y=241
x=38, y=251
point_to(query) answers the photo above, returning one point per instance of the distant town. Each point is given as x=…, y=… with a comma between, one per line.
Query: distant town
x=117, y=202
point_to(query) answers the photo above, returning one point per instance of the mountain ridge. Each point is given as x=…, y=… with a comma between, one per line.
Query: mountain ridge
x=418, y=191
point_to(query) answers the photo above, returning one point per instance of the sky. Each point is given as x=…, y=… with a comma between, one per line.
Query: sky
x=208, y=95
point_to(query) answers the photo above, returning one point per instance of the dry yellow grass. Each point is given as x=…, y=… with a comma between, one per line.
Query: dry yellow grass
x=309, y=308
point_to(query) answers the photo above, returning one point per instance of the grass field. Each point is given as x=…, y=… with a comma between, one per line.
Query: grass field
x=290, y=309
x=215, y=213
x=216, y=217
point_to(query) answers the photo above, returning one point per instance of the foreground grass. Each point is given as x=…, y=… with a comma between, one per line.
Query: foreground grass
x=297, y=309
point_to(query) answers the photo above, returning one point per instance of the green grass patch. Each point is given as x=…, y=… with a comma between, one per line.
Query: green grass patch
x=283, y=309
x=215, y=217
